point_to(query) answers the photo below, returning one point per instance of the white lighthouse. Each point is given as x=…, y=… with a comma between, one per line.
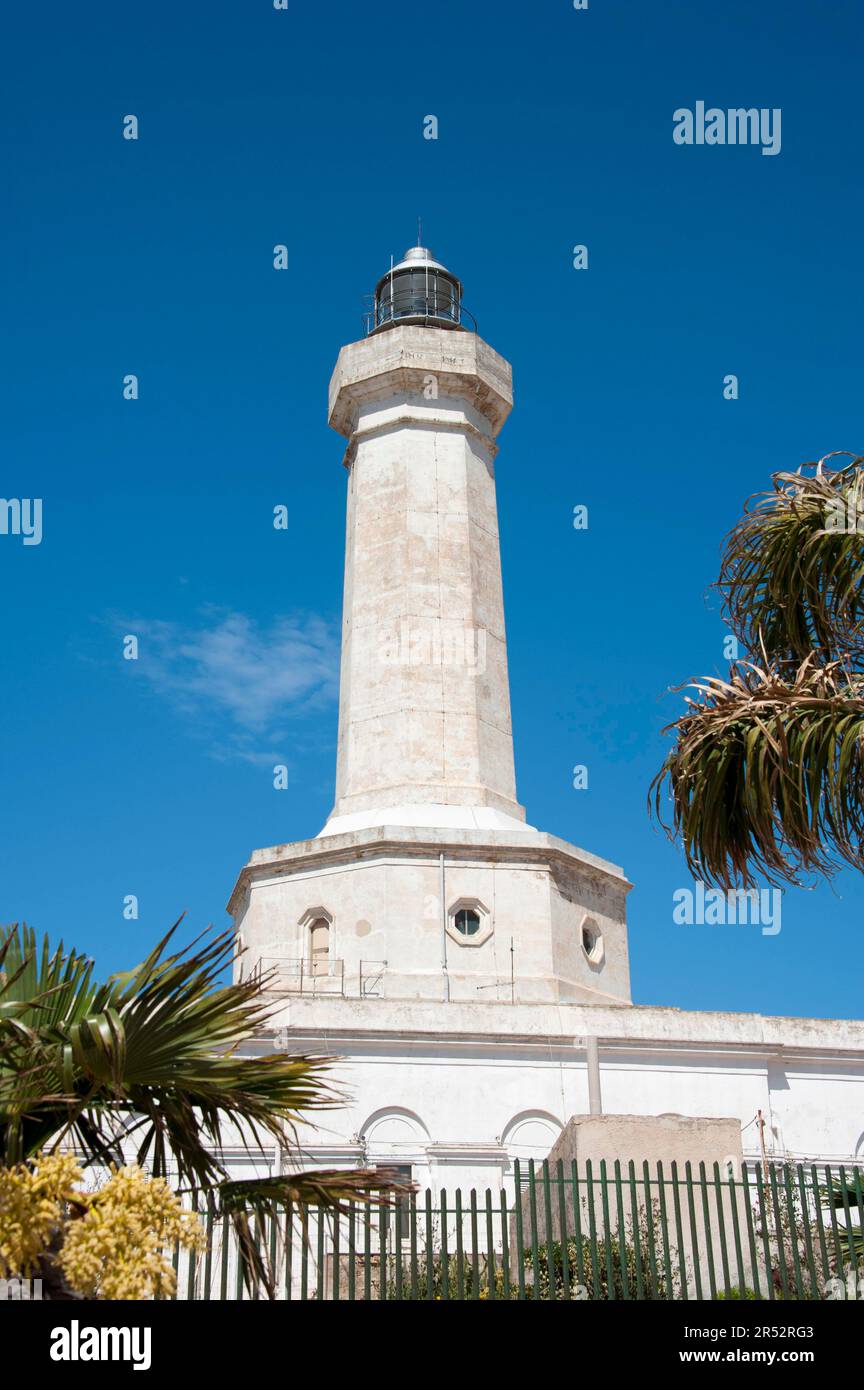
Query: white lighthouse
x=426, y=883
x=464, y=964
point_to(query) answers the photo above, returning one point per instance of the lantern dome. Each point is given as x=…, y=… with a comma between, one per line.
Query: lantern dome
x=418, y=290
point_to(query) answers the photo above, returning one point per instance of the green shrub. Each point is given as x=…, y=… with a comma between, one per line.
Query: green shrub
x=590, y=1278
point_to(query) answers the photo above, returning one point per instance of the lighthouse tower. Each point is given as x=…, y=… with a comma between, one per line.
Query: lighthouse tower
x=424, y=721
x=426, y=882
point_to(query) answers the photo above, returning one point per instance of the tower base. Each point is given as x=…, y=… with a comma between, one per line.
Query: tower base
x=398, y=911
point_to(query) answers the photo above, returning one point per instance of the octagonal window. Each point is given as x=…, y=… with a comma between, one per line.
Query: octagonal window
x=467, y=921
x=592, y=941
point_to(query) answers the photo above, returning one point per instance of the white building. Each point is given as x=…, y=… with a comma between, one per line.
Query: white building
x=458, y=960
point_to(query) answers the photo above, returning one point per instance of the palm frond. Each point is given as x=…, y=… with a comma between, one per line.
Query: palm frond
x=792, y=572
x=329, y=1189
x=152, y=1058
x=766, y=777
x=161, y=1042
x=42, y=987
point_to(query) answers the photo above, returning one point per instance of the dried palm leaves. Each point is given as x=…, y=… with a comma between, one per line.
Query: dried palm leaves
x=766, y=774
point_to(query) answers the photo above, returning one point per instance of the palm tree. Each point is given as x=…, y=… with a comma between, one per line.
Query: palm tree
x=150, y=1059
x=766, y=775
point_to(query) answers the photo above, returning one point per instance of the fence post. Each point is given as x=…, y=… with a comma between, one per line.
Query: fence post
x=475, y=1254
x=532, y=1212
x=736, y=1231
x=563, y=1223
x=820, y=1224
x=679, y=1230
x=550, y=1243
x=637, y=1229
x=226, y=1250
x=319, y=1273
x=352, y=1253
x=520, y=1235
x=238, y=1274
x=577, y=1226
x=337, y=1222
x=430, y=1254
x=859, y=1199
x=664, y=1231
x=412, y=1211
x=397, y=1247
x=607, y=1231
x=192, y=1259
x=751, y=1235
x=208, y=1258
x=274, y=1243
x=460, y=1254
x=806, y=1219
x=592, y=1230
x=367, y=1252
x=778, y=1230
x=621, y=1231
x=382, y=1255
x=709, y=1239
x=850, y=1236
x=649, y=1211
x=505, y=1247
x=793, y=1230
x=445, y=1254
x=721, y=1227
x=304, y=1255
x=491, y=1264
x=766, y=1239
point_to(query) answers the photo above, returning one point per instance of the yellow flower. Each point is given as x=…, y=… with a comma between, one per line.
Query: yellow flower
x=115, y=1249
x=32, y=1201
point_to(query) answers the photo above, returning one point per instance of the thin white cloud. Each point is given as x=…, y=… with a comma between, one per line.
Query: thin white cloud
x=231, y=670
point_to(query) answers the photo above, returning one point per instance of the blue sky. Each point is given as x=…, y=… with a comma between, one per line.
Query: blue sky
x=154, y=257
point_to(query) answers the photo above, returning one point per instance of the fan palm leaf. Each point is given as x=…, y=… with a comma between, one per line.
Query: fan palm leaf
x=151, y=1059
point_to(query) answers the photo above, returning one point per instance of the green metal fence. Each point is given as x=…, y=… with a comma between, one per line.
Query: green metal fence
x=767, y=1231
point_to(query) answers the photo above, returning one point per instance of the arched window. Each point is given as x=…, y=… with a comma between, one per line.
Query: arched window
x=319, y=946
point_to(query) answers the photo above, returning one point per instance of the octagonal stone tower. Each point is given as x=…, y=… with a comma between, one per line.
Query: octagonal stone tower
x=425, y=881
x=424, y=719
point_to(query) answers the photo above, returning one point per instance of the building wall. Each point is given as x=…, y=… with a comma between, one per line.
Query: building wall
x=460, y=1104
